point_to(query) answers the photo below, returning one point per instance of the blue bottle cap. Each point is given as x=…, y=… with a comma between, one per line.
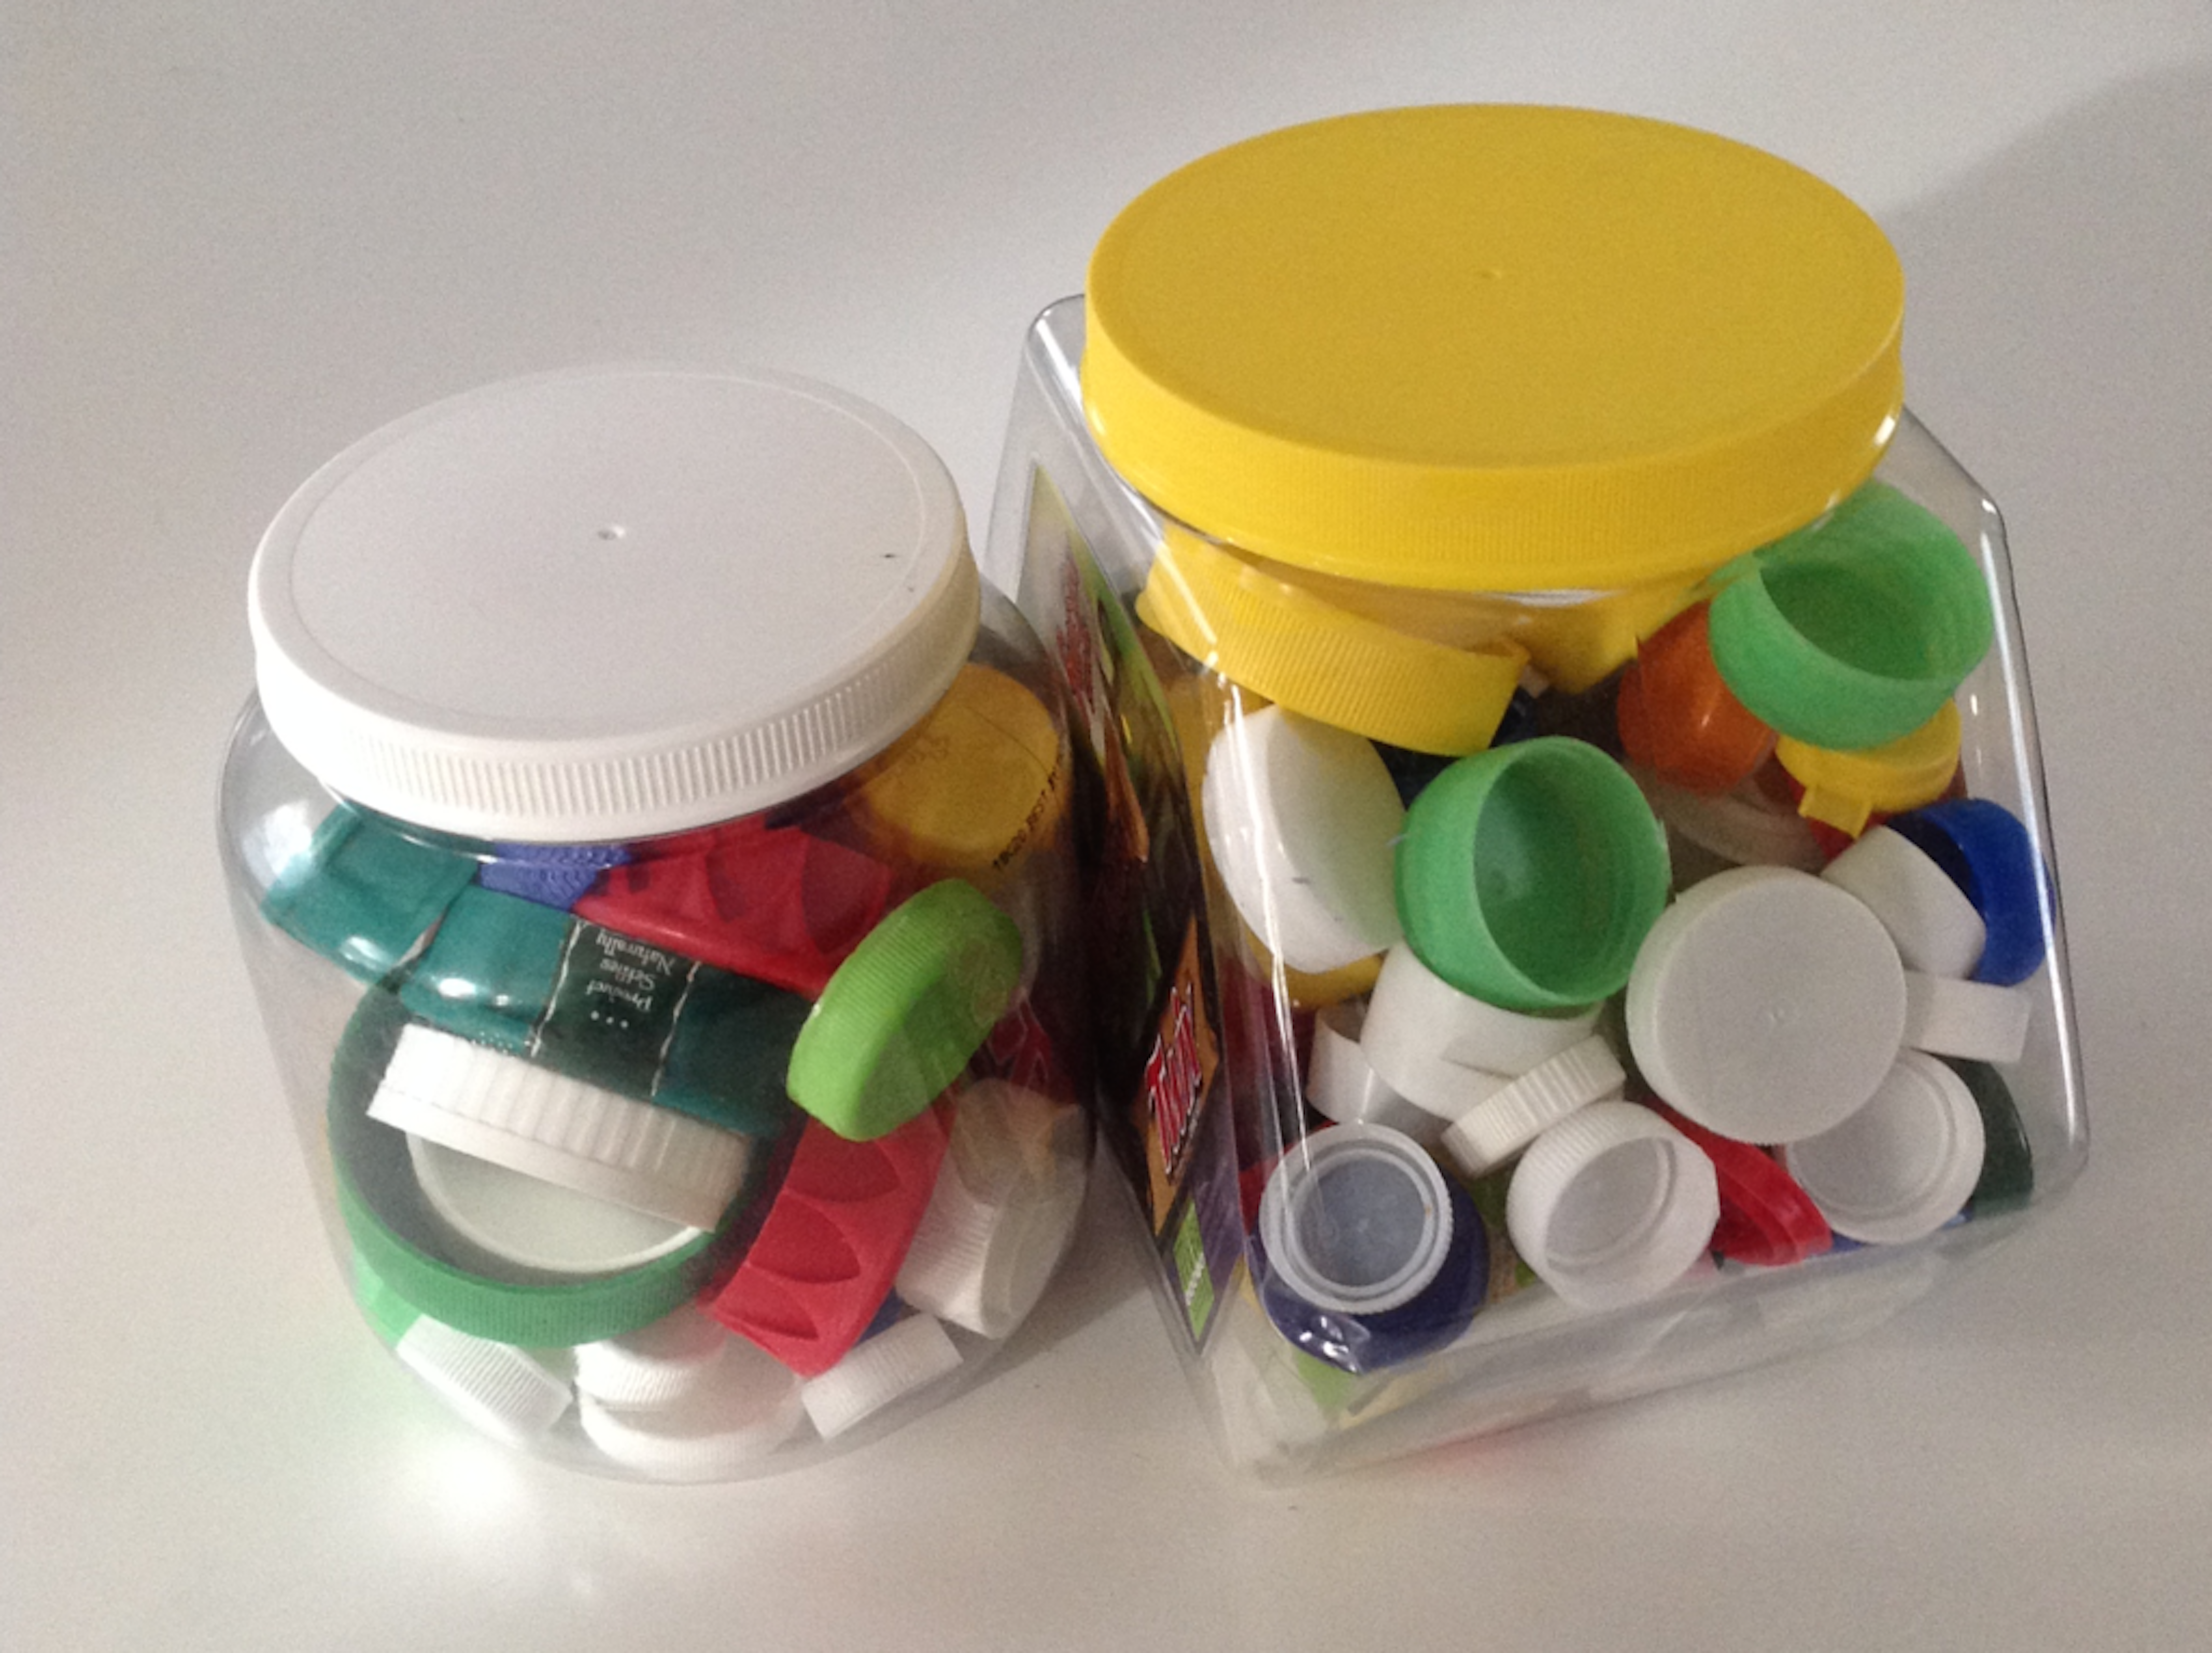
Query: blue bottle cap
x=1988, y=854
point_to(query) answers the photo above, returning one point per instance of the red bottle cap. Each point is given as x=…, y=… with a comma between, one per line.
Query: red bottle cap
x=832, y=1244
x=1767, y=1219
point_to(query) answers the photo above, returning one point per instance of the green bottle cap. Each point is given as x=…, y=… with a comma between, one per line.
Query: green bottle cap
x=906, y=1010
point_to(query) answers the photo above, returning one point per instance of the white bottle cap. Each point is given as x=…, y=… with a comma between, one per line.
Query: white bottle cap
x=654, y=1366
x=1935, y=927
x=896, y=1362
x=610, y=603
x=1000, y=1212
x=506, y=1392
x=1302, y=819
x=743, y=1406
x=512, y=1227
x=1612, y=1205
x=530, y=1119
x=1766, y=1005
x=1494, y=1130
x=1356, y=1219
x=1903, y=1165
x=1342, y=1085
x=1972, y=1019
x=1415, y=1008
x=1744, y=827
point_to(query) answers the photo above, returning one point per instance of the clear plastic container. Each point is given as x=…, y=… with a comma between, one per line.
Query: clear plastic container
x=1575, y=912
x=652, y=851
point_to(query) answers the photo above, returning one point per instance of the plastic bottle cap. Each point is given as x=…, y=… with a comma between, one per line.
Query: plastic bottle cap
x=906, y=1012
x=1492, y=347
x=1342, y=1085
x=1743, y=827
x=1437, y=1314
x=556, y=875
x=2007, y=1178
x=401, y=1244
x=743, y=1407
x=509, y=1226
x=1677, y=717
x=1934, y=926
x=892, y=1364
x=547, y=1125
x=1414, y=1006
x=1612, y=1205
x=1001, y=1211
x=1972, y=1019
x=1989, y=853
x=1356, y=1219
x=1527, y=875
x=1843, y=790
x=1301, y=818
x=504, y=1391
x=1903, y=1165
x=655, y=1366
x=1767, y=1220
x=1854, y=630
x=1766, y=1005
x=1495, y=1129
x=1256, y=626
x=611, y=603
x=830, y=1246
x=979, y=778
x=366, y=890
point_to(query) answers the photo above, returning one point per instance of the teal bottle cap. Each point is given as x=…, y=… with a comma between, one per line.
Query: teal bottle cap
x=904, y=1013
x=365, y=890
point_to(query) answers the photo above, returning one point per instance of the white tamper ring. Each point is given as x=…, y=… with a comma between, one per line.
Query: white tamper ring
x=1766, y=1005
x=1342, y=1085
x=1965, y=1018
x=1302, y=819
x=654, y=1366
x=506, y=1392
x=509, y=1226
x=544, y=1124
x=1414, y=1009
x=1000, y=1214
x=1934, y=926
x=894, y=1362
x=1612, y=1205
x=743, y=1406
x=1903, y=1165
x=1356, y=1219
x=1493, y=1131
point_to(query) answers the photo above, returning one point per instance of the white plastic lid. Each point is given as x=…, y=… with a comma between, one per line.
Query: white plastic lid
x=1612, y=1205
x=507, y=1393
x=1342, y=1085
x=1303, y=820
x=1500, y=1126
x=611, y=603
x=1903, y=1165
x=896, y=1362
x=654, y=1366
x=530, y=1119
x=1356, y=1219
x=1935, y=927
x=743, y=1406
x=525, y=1229
x=1413, y=1008
x=1743, y=827
x=1978, y=1020
x=1765, y=1004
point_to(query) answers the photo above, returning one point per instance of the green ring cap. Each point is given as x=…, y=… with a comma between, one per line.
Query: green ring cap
x=1529, y=875
x=1854, y=630
x=906, y=1010
x=2007, y=1179
x=396, y=1236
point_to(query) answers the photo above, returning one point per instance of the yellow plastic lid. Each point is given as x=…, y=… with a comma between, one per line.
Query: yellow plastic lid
x=1493, y=347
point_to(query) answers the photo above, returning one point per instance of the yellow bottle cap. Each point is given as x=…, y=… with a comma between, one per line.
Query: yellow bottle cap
x=1264, y=633
x=1844, y=789
x=1493, y=347
x=975, y=783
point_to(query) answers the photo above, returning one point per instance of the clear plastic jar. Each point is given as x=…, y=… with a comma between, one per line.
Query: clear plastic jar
x=1577, y=911
x=651, y=850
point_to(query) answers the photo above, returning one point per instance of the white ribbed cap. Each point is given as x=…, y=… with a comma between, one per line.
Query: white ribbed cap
x=743, y=1406
x=506, y=1392
x=1612, y=1205
x=611, y=603
x=1903, y=1165
x=1500, y=1126
x=896, y=1362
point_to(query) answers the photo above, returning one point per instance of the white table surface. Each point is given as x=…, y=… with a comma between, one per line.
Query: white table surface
x=233, y=237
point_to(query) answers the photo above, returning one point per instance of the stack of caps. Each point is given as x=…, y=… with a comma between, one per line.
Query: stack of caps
x=697, y=1100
